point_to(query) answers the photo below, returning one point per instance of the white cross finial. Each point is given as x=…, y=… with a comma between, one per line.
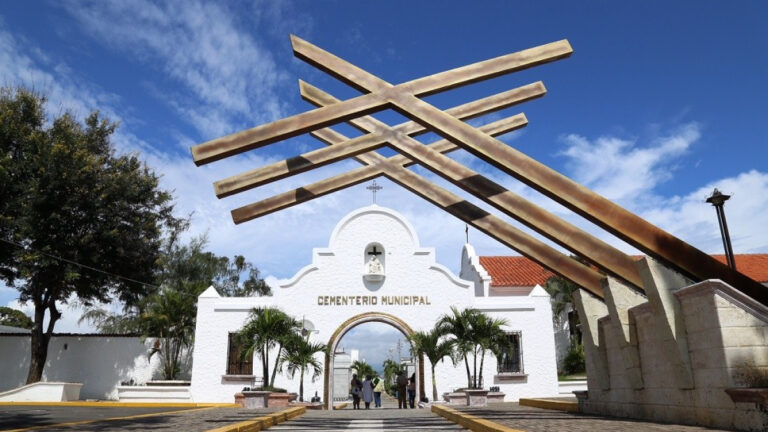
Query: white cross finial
x=374, y=188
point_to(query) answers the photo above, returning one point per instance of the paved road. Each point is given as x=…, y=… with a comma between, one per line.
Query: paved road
x=373, y=420
x=113, y=419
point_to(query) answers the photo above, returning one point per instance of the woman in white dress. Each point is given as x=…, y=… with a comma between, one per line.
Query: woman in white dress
x=367, y=391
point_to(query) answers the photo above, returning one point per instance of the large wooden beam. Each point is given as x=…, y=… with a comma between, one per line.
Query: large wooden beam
x=603, y=255
x=601, y=211
x=496, y=228
x=278, y=170
x=478, y=218
x=299, y=124
x=269, y=205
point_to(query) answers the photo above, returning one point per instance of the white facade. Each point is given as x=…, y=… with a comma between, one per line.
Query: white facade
x=407, y=287
x=99, y=362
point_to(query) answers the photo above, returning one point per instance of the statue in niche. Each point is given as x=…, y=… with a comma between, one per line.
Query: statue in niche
x=374, y=266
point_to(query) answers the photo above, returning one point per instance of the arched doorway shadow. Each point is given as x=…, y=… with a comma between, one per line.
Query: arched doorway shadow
x=348, y=325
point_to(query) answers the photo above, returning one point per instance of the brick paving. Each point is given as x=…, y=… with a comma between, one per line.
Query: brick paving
x=387, y=418
x=186, y=420
x=532, y=419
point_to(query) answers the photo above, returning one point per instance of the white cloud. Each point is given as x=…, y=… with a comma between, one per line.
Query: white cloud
x=22, y=64
x=229, y=79
x=621, y=170
x=70, y=314
x=693, y=220
x=376, y=342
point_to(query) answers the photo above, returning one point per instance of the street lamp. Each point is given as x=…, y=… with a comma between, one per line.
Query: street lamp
x=718, y=199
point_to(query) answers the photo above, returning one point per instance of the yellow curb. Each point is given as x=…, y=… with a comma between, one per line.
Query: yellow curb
x=82, y=422
x=124, y=404
x=470, y=421
x=263, y=422
x=341, y=406
x=551, y=404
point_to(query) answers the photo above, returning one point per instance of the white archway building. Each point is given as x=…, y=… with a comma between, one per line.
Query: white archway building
x=404, y=287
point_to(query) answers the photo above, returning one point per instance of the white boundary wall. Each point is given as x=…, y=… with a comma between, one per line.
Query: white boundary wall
x=99, y=362
x=410, y=270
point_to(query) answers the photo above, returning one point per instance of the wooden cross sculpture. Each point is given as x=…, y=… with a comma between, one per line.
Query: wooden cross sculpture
x=405, y=98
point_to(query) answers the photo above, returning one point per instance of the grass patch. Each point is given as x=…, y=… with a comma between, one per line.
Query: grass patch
x=572, y=377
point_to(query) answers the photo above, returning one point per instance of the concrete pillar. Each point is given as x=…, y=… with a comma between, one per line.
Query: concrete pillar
x=591, y=309
x=619, y=297
x=660, y=284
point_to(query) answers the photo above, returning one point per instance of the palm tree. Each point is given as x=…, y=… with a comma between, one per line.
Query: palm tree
x=362, y=368
x=489, y=336
x=458, y=324
x=299, y=355
x=430, y=344
x=170, y=317
x=391, y=369
x=267, y=328
x=561, y=290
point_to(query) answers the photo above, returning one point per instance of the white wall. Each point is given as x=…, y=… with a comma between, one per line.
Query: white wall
x=101, y=363
x=410, y=270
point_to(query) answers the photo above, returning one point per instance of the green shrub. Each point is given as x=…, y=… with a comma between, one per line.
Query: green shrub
x=574, y=361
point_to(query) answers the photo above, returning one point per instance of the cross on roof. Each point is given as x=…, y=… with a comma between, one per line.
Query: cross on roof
x=374, y=188
x=374, y=252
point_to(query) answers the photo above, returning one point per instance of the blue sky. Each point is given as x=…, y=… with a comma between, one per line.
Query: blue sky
x=659, y=103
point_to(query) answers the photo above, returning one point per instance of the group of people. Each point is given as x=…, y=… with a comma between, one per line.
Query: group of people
x=371, y=388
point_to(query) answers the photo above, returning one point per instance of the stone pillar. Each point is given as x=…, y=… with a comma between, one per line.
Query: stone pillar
x=660, y=284
x=591, y=309
x=619, y=297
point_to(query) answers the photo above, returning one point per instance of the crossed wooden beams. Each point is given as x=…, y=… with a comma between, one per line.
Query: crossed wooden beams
x=404, y=98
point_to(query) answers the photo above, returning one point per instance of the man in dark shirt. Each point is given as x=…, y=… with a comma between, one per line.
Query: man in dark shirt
x=402, y=389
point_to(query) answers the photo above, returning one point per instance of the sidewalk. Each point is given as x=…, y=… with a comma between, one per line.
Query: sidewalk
x=543, y=420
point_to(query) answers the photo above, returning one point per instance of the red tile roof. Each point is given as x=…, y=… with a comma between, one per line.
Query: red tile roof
x=752, y=265
x=514, y=271
x=520, y=271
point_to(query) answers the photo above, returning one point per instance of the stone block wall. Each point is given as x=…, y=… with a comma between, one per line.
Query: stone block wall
x=669, y=355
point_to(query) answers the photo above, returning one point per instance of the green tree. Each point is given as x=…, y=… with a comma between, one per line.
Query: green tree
x=458, y=324
x=391, y=369
x=299, y=355
x=488, y=336
x=362, y=369
x=70, y=205
x=170, y=318
x=14, y=318
x=267, y=328
x=185, y=271
x=433, y=345
x=561, y=290
x=228, y=283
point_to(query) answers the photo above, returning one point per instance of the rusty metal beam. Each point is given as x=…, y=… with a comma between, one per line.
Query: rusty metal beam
x=599, y=210
x=299, y=124
x=556, y=229
x=310, y=160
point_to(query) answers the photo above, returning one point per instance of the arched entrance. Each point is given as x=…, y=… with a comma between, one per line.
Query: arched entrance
x=348, y=325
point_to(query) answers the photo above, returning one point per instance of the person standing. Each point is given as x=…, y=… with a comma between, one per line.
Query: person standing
x=402, y=384
x=412, y=390
x=355, y=385
x=378, y=387
x=367, y=391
